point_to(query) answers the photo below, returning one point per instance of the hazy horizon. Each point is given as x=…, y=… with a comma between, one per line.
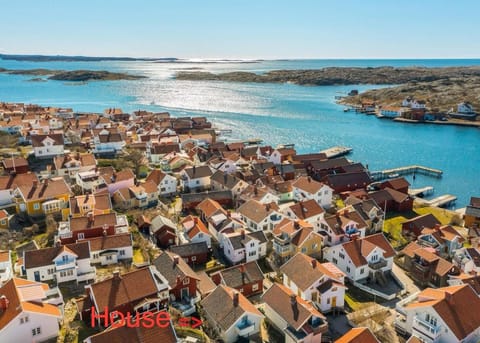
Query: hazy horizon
x=215, y=29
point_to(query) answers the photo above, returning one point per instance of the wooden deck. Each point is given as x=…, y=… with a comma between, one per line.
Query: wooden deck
x=414, y=169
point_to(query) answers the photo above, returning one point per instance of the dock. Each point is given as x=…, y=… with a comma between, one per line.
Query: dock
x=445, y=200
x=420, y=192
x=336, y=151
x=415, y=169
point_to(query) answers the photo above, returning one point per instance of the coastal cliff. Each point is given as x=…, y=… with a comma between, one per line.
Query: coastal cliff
x=74, y=75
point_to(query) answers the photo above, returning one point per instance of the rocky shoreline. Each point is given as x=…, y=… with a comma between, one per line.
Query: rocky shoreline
x=73, y=75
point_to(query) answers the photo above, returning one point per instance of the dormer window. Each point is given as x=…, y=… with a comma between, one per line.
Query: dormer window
x=186, y=281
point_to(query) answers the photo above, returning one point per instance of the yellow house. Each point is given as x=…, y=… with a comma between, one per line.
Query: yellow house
x=42, y=198
x=81, y=205
x=472, y=213
x=3, y=219
x=294, y=236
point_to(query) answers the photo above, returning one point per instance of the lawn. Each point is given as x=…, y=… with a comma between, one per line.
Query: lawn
x=357, y=299
x=138, y=256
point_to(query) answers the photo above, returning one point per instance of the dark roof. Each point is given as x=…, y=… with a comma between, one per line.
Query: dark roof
x=45, y=257
x=225, y=179
x=166, y=265
x=426, y=220
x=242, y=274
x=349, y=180
x=330, y=164
x=110, y=242
x=198, y=172
x=38, y=139
x=189, y=249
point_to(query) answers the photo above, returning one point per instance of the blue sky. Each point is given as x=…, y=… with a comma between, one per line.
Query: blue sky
x=243, y=29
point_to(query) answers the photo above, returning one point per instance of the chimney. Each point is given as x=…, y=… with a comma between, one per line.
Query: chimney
x=194, y=169
x=437, y=227
x=309, y=179
x=90, y=217
x=116, y=275
x=235, y=298
x=293, y=300
x=243, y=234
x=58, y=243
x=229, y=214
x=313, y=262
x=337, y=215
x=296, y=225
x=35, y=183
x=449, y=298
x=3, y=303
x=176, y=260
x=241, y=268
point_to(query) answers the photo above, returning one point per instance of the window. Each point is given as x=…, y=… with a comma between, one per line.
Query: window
x=197, y=182
x=348, y=269
x=81, y=235
x=194, y=258
x=329, y=238
x=362, y=270
x=108, y=258
x=95, y=256
x=252, y=244
x=314, y=246
x=3, y=222
x=334, y=260
x=342, y=256
x=36, y=206
x=64, y=258
x=304, y=250
x=255, y=287
x=200, y=235
x=328, y=301
x=122, y=252
x=186, y=281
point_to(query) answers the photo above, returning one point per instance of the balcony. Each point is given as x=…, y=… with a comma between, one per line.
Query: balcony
x=87, y=276
x=65, y=264
x=245, y=327
x=378, y=264
x=428, y=331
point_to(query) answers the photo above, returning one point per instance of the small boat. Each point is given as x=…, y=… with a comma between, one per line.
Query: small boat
x=346, y=109
x=393, y=176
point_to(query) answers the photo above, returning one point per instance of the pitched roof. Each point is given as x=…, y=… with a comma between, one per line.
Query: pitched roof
x=38, y=139
x=189, y=249
x=45, y=190
x=124, y=289
x=256, y=211
x=426, y=220
x=198, y=172
x=110, y=242
x=307, y=184
x=278, y=297
x=98, y=220
x=443, y=233
x=358, y=249
x=166, y=265
x=454, y=305
x=208, y=207
x=241, y=274
x=136, y=334
x=358, y=335
x=349, y=180
x=205, y=285
x=99, y=201
x=156, y=176
x=45, y=256
x=23, y=295
x=304, y=270
x=306, y=209
x=220, y=307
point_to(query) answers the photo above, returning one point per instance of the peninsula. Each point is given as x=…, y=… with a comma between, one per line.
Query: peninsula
x=74, y=75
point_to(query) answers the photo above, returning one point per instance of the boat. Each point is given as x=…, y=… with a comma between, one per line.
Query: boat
x=346, y=109
x=393, y=176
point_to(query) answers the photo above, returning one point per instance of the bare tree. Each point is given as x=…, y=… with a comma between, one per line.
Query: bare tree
x=135, y=159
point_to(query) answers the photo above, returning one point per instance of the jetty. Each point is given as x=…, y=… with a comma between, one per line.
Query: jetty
x=445, y=200
x=336, y=151
x=420, y=192
x=414, y=169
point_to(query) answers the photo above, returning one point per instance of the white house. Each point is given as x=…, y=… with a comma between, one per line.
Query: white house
x=258, y=216
x=71, y=164
x=245, y=247
x=63, y=263
x=305, y=188
x=195, y=231
x=231, y=314
x=107, y=142
x=321, y=283
x=363, y=257
x=107, y=250
x=166, y=184
x=468, y=260
x=465, y=108
x=446, y=314
x=196, y=177
x=281, y=154
x=6, y=268
x=309, y=211
x=26, y=315
x=341, y=227
x=298, y=319
x=90, y=180
x=48, y=146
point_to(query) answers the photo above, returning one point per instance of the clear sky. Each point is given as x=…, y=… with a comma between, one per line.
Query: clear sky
x=243, y=29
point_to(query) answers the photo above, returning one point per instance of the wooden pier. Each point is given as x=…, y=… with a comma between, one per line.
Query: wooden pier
x=336, y=151
x=420, y=192
x=446, y=200
x=415, y=169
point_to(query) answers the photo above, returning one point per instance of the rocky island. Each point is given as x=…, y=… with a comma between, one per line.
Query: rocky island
x=74, y=75
x=441, y=88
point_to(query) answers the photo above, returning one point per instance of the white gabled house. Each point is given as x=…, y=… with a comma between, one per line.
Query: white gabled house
x=305, y=188
x=196, y=177
x=48, y=146
x=320, y=283
x=195, y=231
x=107, y=250
x=63, y=263
x=241, y=247
x=166, y=184
x=309, y=211
x=260, y=217
x=6, y=268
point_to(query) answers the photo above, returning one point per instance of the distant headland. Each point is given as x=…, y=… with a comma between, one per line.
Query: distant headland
x=73, y=75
